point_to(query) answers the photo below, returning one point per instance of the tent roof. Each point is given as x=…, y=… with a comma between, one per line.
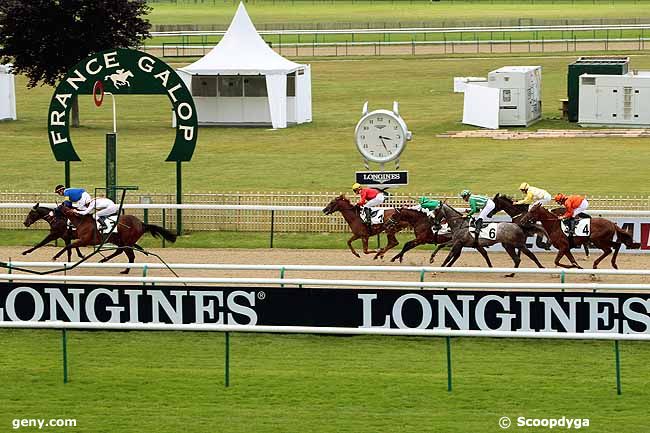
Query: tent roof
x=241, y=51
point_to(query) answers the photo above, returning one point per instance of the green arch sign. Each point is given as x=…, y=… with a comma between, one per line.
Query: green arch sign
x=122, y=72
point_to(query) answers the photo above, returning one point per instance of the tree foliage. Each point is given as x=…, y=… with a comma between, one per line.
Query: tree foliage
x=44, y=38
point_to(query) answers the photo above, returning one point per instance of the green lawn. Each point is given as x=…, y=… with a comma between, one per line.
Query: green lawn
x=171, y=382
x=257, y=159
x=273, y=13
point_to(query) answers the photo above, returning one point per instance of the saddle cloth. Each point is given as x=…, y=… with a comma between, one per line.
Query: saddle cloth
x=444, y=229
x=488, y=231
x=110, y=222
x=376, y=215
x=583, y=228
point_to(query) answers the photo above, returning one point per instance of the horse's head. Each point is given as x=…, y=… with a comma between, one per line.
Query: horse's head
x=337, y=204
x=36, y=213
x=534, y=214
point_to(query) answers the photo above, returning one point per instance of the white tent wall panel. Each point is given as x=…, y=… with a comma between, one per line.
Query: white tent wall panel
x=276, y=87
x=303, y=95
x=7, y=95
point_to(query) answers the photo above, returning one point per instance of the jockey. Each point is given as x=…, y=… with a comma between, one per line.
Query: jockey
x=428, y=203
x=77, y=198
x=533, y=195
x=104, y=208
x=574, y=205
x=478, y=203
x=369, y=197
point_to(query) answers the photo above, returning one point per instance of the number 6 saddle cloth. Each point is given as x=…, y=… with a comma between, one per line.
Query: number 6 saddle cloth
x=488, y=231
x=583, y=228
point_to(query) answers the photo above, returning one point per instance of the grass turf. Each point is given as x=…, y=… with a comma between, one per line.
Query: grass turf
x=171, y=382
x=257, y=159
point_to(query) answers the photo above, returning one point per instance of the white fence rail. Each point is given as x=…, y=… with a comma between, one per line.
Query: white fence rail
x=330, y=268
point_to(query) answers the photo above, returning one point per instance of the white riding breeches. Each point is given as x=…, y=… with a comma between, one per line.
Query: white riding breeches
x=542, y=201
x=379, y=199
x=583, y=207
x=489, y=207
x=83, y=202
x=104, y=207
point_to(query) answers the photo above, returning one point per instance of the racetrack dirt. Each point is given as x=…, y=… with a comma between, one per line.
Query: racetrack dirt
x=419, y=257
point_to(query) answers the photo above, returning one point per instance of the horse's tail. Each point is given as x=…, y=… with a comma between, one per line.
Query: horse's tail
x=626, y=238
x=157, y=231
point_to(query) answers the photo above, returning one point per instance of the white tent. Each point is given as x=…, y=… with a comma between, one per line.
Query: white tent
x=243, y=81
x=7, y=93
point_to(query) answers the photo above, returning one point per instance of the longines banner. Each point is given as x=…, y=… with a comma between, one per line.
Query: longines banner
x=457, y=310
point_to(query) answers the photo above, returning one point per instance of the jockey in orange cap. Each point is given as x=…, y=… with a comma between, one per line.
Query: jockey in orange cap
x=574, y=205
x=369, y=197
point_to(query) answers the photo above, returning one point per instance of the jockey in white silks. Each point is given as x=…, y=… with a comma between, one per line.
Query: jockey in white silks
x=104, y=207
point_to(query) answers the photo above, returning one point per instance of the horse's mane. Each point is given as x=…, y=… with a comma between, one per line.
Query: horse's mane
x=505, y=196
x=453, y=209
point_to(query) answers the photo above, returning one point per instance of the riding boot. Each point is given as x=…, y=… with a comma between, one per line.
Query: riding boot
x=477, y=225
x=571, y=224
x=368, y=211
x=102, y=224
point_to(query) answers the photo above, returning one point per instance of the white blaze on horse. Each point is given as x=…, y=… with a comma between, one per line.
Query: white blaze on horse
x=120, y=78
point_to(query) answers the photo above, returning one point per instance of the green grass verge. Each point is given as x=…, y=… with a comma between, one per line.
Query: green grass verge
x=171, y=382
x=361, y=13
x=210, y=239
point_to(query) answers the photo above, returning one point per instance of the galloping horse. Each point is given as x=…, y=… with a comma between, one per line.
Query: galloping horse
x=359, y=228
x=510, y=235
x=602, y=236
x=128, y=231
x=58, y=227
x=422, y=228
x=517, y=211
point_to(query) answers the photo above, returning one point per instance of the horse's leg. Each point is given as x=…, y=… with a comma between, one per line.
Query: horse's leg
x=586, y=248
x=484, y=253
x=572, y=259
x=131, y=255
x=50, y=237
x=558, y=257
x=512, y=252
x=75, y=244
x=438, y=248
x=352, y=239
x=364, y=241
x=531, y=256
x=452, y=253
x=407, y=246
x=392, y=242
x=617, y=247
x=117, y=252
x=607, y=250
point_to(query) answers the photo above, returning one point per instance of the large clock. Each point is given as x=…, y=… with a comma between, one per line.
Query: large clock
x=381, y=135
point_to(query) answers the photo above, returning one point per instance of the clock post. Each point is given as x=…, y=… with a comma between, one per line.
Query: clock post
x=381, y=137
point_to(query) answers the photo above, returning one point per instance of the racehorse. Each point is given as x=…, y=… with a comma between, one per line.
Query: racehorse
x=423, y=228
x=602, y=236
x=359, y=228
x=510, y=235
x=128, y=231
x=120, y=78
x=517, y=211
x=58, y=227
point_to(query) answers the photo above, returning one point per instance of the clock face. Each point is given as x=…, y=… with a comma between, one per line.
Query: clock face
x=380, y=136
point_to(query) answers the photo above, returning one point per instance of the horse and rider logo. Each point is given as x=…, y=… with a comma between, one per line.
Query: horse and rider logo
x=120, y=78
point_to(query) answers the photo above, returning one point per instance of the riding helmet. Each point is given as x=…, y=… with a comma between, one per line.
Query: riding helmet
x=356, y=186
x=59, y=187
x=524, y=186
x=465, y=193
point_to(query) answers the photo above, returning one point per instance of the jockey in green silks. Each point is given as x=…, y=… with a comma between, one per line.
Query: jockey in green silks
x=428, y=203
x=478, y=203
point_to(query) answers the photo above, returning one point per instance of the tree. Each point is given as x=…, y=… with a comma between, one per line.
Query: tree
x=45, y=38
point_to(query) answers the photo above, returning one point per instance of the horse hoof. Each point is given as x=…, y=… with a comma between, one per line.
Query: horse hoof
x=509, y=275
x=25, y=253
x=126, y=271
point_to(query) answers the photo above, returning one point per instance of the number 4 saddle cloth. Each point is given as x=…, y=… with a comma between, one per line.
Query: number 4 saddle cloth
x=583, y=227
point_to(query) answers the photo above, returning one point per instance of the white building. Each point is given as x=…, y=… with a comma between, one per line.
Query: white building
x=243, y=81
x=615, y=100
x=7, y=93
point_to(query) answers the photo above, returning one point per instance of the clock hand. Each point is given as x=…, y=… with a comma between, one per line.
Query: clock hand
x=382, y=137
x=382, y=142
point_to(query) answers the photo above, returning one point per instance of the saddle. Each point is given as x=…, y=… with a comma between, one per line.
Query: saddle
x=376, y=215
x=582, y=227
x=488, y=231
x=110, y=222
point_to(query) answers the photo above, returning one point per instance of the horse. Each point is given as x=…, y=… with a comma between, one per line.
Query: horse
x=423, y=228
x=510, y=235
x=58, y=228
x=120, y=78
x=517, y=211
x=359, y=228
x=602, y=237
x=128, y=231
